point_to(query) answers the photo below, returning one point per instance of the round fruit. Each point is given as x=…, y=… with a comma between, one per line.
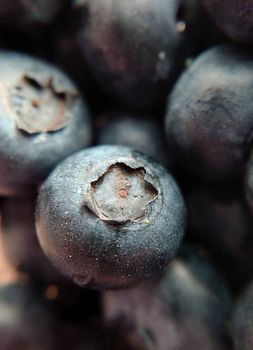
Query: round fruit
x=136, y=48
x=110, y=217
x=209, y=117
x=42, y=121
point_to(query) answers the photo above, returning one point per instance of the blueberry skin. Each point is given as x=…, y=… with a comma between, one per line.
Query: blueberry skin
x=209, y=114
x=186, y=309
x=43, y=120
x=139, y=132
x=233, y=17
x=135, y=49
x=110, y=217
x=242, y=321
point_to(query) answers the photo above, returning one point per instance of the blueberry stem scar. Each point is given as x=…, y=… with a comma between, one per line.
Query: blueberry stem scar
x=131, y=194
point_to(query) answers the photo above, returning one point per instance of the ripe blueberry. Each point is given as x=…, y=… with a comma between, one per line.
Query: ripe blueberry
x=42, y=121
x=136, y=48
x=110, y=217
x=209, y=117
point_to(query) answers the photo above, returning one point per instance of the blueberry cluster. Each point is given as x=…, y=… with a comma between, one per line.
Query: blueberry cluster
x=126, y=174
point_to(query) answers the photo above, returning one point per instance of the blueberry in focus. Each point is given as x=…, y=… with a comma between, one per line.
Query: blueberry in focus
x=110, y=217
x=209, y=115
x=233, y=17
x=135, y=49
x=139, y=132
x=43, y=120
x=186, y=309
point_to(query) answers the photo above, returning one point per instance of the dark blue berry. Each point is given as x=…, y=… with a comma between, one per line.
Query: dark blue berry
x=209, y=117
x=135, y=49
x=233, y=17
x=42, y=121
x=110, y=217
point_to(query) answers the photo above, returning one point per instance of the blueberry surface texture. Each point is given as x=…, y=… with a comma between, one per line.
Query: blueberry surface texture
x=110, y=217
x=43, y=120
x=135, y=49
x=233, y=17
x=209, y=115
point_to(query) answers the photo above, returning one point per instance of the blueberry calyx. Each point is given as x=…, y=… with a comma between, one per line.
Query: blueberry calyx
x=40, y=103
x=132, y=192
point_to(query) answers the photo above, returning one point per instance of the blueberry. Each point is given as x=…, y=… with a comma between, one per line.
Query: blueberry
x=135, y=48
x=233, y=17
x=186, y=309
x=242, y=321
x=110, y=217
x=209, y=116
x=43, y=120
x=139, y=132
x=19, y=241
